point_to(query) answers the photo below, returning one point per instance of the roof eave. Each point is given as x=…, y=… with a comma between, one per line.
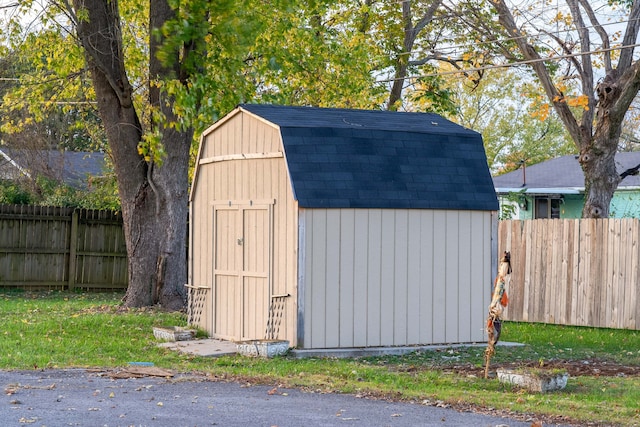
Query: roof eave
x=541, y=190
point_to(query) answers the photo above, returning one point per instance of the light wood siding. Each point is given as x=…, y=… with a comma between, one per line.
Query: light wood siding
x=582, y=272
x=383, y=277
x=221, y=180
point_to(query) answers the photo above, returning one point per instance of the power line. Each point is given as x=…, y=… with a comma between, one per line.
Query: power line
x=537, y=36
x=509, y=65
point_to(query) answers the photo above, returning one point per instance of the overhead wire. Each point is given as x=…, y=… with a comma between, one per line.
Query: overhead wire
x=508, y=39
x=510, y=64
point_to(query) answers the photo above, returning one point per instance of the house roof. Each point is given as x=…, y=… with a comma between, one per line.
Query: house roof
x=561, y=175
x=340, y=158
x=70, y=167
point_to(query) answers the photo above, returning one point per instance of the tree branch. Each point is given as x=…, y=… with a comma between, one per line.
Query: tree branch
x=528, y=51
x=426, y=18
x=587, y=67
x=568, y=53
x=98, y=36
x=630, y=37
x=410, y=34
x=601, y=32
x=631, y=171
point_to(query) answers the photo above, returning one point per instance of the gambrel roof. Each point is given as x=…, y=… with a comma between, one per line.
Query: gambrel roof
x=342, y=158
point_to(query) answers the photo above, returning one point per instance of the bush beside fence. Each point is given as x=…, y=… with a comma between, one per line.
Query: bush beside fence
x=583, y=272
x=44, y=247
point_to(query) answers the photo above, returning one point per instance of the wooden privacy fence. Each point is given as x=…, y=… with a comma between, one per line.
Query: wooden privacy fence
x=45, y=247
x=583, y=272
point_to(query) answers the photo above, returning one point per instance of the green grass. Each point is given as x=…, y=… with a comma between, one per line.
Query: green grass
x=60, y=330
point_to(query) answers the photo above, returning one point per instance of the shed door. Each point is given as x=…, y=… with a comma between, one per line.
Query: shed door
x=242, y=235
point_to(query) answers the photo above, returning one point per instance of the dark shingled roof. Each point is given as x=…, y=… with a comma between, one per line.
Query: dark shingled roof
x=339, y=158
x=563, y=173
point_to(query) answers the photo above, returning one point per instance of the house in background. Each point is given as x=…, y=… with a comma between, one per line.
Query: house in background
x=555, y=189
x=69, y=167
x=334, y=228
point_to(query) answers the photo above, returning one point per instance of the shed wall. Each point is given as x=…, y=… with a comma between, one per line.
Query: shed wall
x=239, y=165
x=385, y=277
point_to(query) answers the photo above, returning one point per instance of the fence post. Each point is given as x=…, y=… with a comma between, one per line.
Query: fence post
x=72, y=249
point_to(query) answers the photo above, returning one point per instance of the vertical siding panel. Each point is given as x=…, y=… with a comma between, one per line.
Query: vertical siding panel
x=317, y=260
x=347, y=302
x=333, y=291
x=400, y=309
x=360, y=277
x=303, y=328
x=288, y=215
x=206, y=236
x=373, y=284
x=482, y=291
x=427, y=276
x=439, y=277
x=414, y=254
x=466, y=247
x=308, y=277
x=451, y=286
x=387, y=275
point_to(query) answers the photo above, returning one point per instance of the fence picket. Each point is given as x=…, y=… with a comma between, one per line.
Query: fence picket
x=61, y=248
x=575, y=272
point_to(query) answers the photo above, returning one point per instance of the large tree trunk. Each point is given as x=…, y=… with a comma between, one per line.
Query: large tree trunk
x=600, y=177
x=153, y=198
x=597, y=158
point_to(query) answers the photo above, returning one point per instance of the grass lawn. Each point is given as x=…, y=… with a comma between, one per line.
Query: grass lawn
x=61, y=330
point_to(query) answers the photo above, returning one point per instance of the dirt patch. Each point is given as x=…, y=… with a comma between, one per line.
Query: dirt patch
x=575, y=368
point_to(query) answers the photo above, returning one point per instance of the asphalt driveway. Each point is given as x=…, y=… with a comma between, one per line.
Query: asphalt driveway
x=78, y=397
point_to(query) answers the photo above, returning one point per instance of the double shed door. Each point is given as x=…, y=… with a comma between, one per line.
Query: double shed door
x=241, y=270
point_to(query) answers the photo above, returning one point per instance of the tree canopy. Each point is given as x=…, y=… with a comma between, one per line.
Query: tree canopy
x=141, y=80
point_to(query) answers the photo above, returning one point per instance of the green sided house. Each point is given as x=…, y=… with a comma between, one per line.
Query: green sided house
x=334, y=228
x=555, y=189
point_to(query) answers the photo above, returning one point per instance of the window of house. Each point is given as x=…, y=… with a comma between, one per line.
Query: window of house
x=547, y=208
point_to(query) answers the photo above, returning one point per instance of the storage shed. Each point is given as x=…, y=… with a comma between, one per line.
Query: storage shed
x=336, y=228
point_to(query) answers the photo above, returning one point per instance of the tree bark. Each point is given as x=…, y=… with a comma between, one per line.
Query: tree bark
x=153, y=197
x=597, y=133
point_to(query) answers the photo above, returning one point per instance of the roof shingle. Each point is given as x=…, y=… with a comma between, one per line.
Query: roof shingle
x=341, y=158
x=562, y=173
